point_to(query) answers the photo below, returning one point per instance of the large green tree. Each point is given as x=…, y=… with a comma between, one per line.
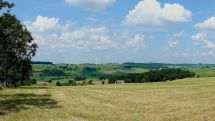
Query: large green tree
x=16, y=48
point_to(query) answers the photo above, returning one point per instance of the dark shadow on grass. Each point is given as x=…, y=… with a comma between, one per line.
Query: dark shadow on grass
x=19, y=102
x=35, y=87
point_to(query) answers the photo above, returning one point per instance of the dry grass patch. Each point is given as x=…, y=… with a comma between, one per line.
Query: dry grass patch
x=182, y=100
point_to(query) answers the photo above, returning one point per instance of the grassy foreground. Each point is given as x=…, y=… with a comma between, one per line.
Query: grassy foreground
x=181, y=100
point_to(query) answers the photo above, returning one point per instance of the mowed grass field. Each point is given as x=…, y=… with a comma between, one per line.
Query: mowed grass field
x=181, y=100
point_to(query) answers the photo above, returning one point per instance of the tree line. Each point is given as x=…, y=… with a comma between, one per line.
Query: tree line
x=154, y=76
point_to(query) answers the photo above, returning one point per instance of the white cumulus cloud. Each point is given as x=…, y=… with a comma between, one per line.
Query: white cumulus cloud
x=173, y=42
x=87, y=38
x=150, y=12
x=91, y=4
x=49, y=32
x=43, y=23
x=207, y=24
x=137, y=42
x=200, y=37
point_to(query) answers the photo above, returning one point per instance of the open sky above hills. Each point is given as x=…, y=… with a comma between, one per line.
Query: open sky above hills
x=99, y=31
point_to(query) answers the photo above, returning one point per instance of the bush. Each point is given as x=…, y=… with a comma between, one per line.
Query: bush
x=72, y=83
x=0, y=88
x=33, y=81
x=79, y=78
x=103, y=82
x=24, y=83
x=90, y=82
x=66, y=84
x=58, y=83
x=69, y=83
x=83, y=83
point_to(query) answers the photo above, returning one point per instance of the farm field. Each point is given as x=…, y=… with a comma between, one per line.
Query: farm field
x=190, y=99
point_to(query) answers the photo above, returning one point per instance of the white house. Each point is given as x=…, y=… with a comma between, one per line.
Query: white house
x=120, y=82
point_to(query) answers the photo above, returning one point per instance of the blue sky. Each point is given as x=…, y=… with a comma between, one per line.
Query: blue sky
x=107, y=31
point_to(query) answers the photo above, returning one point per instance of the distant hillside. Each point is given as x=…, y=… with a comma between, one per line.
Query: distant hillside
x=39, y=62
x=50, y=71
x=145, y=65
x=164, y=65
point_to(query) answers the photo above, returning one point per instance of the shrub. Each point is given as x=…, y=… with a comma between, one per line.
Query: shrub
x=79, y=78
x=33, y=81
x=90, y=82
x=0, y=88
x=24, y=83
x=66, y=84
x=83, y=83
x=58, y=83
x=72, y=83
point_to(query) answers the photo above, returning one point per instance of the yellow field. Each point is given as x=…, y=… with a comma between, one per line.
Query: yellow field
x=181, y=100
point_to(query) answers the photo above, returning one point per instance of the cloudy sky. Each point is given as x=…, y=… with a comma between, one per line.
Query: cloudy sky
x=101, y=31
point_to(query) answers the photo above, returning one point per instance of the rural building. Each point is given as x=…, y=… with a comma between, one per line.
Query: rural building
x=120, y=82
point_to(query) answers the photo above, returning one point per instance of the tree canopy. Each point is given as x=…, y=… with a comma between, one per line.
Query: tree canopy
x=17, y=48
x=154, y=76
x=7, y=5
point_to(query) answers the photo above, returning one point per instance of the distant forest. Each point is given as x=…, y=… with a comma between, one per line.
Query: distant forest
x=154, y=76
x=39, y=62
